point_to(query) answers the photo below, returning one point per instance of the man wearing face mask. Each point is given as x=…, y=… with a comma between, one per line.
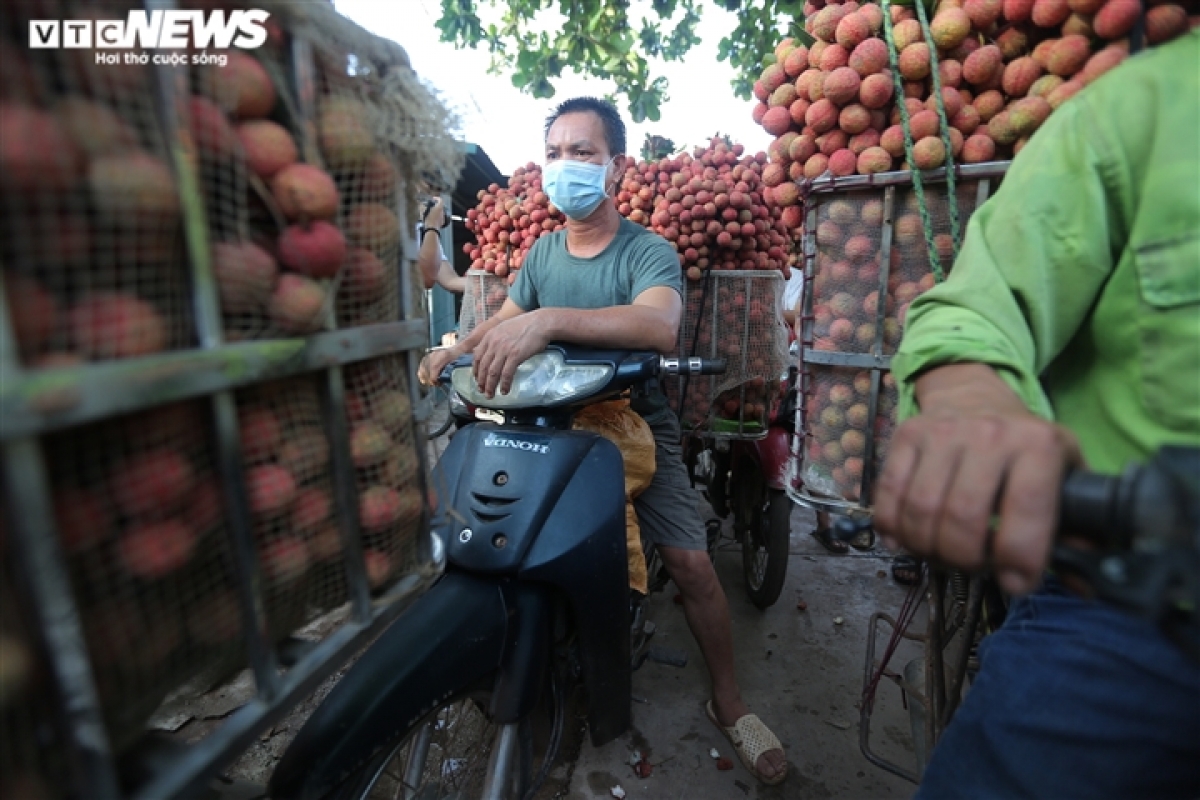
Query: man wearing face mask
x=606, y=282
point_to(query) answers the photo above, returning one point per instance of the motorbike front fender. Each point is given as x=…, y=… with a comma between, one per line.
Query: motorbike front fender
x=450, y=638
x=773, y=453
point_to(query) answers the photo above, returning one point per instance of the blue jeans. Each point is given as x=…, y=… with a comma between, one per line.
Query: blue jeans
x=1074, y=699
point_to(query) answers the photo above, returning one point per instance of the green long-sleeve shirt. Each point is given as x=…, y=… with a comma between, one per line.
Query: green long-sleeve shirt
x=1084, y=269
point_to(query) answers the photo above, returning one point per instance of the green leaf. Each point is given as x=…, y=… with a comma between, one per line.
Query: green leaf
x=535, y=40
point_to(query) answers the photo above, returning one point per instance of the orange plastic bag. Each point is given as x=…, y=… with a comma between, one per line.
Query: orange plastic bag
x=624, y=427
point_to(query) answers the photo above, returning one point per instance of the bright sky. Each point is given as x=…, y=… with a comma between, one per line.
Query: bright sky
x=508, y=124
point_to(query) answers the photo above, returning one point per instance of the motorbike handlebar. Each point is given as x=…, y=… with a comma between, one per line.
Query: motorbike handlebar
x=1150, y=506
x=692, y=366
x=1143, y=532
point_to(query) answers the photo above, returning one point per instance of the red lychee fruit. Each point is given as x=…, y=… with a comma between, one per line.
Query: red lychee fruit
x=1068, y=56
x=777, y=121
x=297, y=305
x=914, y=61
x=36, y=151
x=305, y=192
x=271, y=489
x=1114, y=20
x=247, y=85
x=106, y=325
x=852, y=30
x=153, y=482
x=869, y=57
x=929, y=153
x=983, y=65
x=268, y=147
x=245, y=275
x=1019, y=75
x=1050, y=13
x=876, y=91
x=841, y=86
x=1165, y=22
x=874, y=159
x=949, y=27
x=344, y=132
x=316, y=250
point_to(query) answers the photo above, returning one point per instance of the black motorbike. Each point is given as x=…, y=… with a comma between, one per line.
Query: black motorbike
x=464, y=695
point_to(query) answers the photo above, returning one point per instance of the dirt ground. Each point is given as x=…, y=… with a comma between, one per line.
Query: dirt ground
x=800, y=671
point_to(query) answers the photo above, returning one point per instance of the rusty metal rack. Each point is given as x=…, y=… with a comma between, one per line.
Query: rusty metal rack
x=41, y=402
x=875, y=358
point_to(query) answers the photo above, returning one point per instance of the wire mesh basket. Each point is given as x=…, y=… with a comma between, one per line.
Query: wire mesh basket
x=734, y=315
x=483, y=297
x=207, y=353
x=865, y=240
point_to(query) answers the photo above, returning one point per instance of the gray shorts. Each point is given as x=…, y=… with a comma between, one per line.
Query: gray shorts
x=667, y=509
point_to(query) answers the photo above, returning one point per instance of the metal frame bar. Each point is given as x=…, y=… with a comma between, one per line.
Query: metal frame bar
x=866, y=482
x=989, y=169
x=43, y=578
x=912, y=693
x=49, y=400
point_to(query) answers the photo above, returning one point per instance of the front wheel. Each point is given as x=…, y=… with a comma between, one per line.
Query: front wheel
x=765, y=545
x=447, y=756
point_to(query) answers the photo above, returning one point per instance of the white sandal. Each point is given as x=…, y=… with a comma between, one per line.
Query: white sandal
x=750, y=739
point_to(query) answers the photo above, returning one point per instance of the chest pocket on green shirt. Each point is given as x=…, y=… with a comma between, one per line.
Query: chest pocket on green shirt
x=1169, y=326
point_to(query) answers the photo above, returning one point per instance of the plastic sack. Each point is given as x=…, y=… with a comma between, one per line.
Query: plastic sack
x=624, y=427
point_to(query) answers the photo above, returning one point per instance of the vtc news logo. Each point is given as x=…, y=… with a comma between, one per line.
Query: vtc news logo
x=154, y=29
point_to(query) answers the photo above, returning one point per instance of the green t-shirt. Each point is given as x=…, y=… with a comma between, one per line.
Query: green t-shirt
x=1080, y=280
x=634, y=261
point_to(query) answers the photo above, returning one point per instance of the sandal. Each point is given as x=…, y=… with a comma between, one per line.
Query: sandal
x=864, y=541
x=750, y=739
x=906, y=570
x=827, y=540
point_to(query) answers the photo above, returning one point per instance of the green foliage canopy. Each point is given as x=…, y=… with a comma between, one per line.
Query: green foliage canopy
x=621, y=40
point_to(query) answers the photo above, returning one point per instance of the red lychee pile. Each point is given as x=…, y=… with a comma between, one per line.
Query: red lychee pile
x=742, y=330
x=846, y=316
x=390, y=503
x=711, y=205
x=335, y=222
x=508, y=220
x=838, y=421
x=1003, y=65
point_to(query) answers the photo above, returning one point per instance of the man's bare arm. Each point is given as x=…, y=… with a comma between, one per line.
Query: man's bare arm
x=429, y=259
x=433, y=364
x=450, y=280
x=651, y=322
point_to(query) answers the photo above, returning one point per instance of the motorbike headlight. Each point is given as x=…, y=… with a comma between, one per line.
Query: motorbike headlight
x=457, y=407
x=544, y=380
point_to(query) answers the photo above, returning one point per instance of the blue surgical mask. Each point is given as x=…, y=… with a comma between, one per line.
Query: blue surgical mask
x=576, y=188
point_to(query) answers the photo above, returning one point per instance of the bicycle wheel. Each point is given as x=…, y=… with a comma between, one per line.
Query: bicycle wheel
x=765, y=544
x=435, y=412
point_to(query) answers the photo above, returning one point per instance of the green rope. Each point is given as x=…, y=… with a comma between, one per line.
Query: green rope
x=944, y=129
x=918, y=186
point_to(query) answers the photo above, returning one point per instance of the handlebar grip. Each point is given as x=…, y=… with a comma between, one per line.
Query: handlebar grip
x=1084, y=501
x=1097, y=508
x=693, y=366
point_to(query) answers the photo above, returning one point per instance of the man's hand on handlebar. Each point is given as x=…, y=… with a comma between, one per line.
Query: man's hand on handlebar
x=433, y=363
x=974, y=451
x=504, y=348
